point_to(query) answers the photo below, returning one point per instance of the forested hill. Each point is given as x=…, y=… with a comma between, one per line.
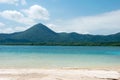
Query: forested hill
x=40, y=34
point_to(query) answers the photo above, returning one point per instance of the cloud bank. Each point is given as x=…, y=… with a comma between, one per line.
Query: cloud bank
x=105, y=23
x=16, y=16
x=14, y=2
x=2, y=24
x=27, y=17
x=37, y=12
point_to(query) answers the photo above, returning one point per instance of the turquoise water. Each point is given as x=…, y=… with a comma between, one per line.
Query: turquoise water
x=59, y=56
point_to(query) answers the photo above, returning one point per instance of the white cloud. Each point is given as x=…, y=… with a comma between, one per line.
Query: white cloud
x=23, y=2
x=15, y=2
x=2, y=24
x=37, y=12
x=12, y=29
x=16, y=16
x=28, y=16
x=9, y=1
x=51, y=25
x=105, y=23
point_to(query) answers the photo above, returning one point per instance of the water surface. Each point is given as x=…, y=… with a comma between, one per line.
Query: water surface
x=59, y=56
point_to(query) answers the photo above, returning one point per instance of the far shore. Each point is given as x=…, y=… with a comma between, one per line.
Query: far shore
x=63, y=44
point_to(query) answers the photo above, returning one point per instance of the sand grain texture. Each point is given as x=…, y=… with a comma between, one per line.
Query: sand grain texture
x=58, y=74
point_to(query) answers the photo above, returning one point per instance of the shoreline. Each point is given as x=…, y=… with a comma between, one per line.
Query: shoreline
x=116, y=68
x=59, y=74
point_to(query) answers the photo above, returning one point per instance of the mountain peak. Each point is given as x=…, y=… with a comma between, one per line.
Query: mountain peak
x=38, y=32
x=40, y=28
x=39, y=25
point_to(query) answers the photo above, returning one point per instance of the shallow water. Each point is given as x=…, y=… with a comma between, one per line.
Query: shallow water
x=59, y=56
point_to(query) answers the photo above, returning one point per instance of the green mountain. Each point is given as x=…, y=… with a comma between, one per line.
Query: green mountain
x=42, y=35
x=37, y=33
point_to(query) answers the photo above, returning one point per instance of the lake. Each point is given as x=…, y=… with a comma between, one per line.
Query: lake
x=59, y=56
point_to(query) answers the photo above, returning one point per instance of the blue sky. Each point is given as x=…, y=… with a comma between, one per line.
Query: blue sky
x=82, y=16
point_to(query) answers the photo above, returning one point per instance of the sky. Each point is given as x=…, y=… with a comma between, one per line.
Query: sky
x=99, y=17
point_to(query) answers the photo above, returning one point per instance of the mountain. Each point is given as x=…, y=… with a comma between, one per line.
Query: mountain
x=39, y=34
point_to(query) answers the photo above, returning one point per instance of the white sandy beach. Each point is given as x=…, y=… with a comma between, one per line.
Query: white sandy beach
x=59, y=74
